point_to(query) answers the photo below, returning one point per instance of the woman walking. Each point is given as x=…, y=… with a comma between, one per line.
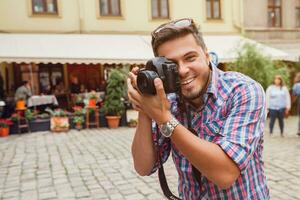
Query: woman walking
x=278, y=103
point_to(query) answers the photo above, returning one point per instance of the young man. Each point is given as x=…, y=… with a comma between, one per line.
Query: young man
x=226, y=110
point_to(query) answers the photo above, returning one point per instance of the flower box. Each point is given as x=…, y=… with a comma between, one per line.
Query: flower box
x=59, y=124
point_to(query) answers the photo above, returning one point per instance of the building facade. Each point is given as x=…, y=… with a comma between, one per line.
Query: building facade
x=267, y=20
x=99, y=17
x=114, y=16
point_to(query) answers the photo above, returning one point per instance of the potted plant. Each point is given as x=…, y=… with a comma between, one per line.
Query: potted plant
x=92, y=99
x=4, y=127
x=78, y=117
x=59, y=121
x=132, y=122
x=113, y=104
x=78, y=120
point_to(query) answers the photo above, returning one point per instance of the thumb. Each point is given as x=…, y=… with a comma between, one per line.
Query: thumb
x=159, y=88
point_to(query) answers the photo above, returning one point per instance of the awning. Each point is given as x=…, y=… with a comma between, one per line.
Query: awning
x=94, y=49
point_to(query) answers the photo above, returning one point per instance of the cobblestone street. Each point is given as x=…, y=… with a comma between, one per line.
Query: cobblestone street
x=97, y=164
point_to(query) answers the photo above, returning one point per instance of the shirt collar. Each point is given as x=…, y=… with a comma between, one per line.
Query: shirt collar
x=212, y=86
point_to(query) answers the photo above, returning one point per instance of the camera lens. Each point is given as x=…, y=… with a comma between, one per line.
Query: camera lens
x=145, y=82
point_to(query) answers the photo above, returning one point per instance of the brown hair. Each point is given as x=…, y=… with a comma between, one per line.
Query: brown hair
x=280, y=78
x=169, y=33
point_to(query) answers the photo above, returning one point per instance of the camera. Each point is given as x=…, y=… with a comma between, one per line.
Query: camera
x=158, y=67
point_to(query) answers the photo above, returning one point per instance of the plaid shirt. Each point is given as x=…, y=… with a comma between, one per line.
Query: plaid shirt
x=233, y=118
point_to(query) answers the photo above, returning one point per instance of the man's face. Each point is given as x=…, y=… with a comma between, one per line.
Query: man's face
x=192, y=62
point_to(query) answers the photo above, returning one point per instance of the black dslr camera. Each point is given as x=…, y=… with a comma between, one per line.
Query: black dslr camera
x=162, y=68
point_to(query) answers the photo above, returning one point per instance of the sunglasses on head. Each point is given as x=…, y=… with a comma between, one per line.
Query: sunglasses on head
x=181, y=23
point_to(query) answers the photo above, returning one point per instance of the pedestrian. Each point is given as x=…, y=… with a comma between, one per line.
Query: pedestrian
x=278, y=102
x=296, y=97
x=23, y=92
x=213, y=126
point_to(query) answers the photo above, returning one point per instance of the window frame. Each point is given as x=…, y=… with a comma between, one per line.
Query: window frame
x=212, y=2
x=273, y=8
x=56, y=13
x=159, y=10
x=110, y=14
x=297, y=9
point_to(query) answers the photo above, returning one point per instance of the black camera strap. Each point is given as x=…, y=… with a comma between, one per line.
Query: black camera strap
x=196, y=172
x=161, y=173
x=163, y=181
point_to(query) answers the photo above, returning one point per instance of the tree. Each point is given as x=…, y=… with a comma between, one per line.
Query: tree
x=259, y=67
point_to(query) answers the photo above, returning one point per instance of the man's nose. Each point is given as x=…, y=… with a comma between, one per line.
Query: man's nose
x=183, y=70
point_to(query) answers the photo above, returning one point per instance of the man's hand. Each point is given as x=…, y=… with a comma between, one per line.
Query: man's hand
x=157, y=107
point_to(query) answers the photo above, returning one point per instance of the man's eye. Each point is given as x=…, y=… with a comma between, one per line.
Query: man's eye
x=190, y=58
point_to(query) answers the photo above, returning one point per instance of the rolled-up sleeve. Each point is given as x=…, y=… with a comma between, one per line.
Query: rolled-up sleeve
x=242, y=131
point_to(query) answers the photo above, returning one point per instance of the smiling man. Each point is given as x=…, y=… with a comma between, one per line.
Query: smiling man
x=213, y=127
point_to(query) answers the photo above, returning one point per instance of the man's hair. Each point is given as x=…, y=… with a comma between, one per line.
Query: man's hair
x=168, y=33
x=24, y=82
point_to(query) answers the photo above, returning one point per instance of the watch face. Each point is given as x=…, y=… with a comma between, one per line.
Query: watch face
x=164, y=129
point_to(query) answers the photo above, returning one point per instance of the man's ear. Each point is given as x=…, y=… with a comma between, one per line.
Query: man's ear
x=207, y=57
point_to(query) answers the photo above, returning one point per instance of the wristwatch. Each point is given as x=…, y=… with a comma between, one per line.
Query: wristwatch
x=167, y=129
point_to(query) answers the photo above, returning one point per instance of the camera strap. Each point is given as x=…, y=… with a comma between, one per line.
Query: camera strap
x=196, y=172
x=161, y=173
x=163, y=181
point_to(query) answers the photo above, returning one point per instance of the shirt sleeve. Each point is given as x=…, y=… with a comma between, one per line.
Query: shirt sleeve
x=162, y=146
x=243, y=129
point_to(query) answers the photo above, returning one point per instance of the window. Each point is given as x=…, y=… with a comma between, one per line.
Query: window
x=274, y=13
x=213, y=9
x=160, y=9
x=298, y=14
x=110, y=8
x=44, y=7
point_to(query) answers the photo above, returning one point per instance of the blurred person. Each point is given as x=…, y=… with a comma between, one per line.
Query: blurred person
x=59, y=88
x=213, y=126
x=296, y=97
x=278, y=103
x=75, y=86
x=23, y=92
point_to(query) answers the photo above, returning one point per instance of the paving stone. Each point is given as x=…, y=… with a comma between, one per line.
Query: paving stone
x=97, y=164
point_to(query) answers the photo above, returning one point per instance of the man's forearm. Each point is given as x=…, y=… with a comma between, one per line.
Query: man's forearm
x=207, y=157
x=143, y=150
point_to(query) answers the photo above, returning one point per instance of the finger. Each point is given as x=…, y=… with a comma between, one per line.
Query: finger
x=133, y=79
x=159, y=88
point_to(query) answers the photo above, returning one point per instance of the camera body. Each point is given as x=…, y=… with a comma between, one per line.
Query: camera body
x=159, y=67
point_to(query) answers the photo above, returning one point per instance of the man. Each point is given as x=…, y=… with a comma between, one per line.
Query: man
x=226, y=110
x=23, y=92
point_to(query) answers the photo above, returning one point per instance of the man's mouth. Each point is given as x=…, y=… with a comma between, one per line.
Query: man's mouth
x=187, y=81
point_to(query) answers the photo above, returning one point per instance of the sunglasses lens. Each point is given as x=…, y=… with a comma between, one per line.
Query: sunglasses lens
x=182, y=23
x=173, y=25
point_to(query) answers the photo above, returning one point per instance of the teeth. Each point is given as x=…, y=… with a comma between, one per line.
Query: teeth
x=187, y=81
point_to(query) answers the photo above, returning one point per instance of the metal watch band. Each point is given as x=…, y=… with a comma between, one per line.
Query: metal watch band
x=168, y=128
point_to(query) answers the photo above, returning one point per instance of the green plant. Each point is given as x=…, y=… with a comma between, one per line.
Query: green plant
x=78, y=119
x=92, y=95
x=113, y=103
x=14, y=117
x=29, y=114
x=57, y=112
x=257, y=66
x=133, y=122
